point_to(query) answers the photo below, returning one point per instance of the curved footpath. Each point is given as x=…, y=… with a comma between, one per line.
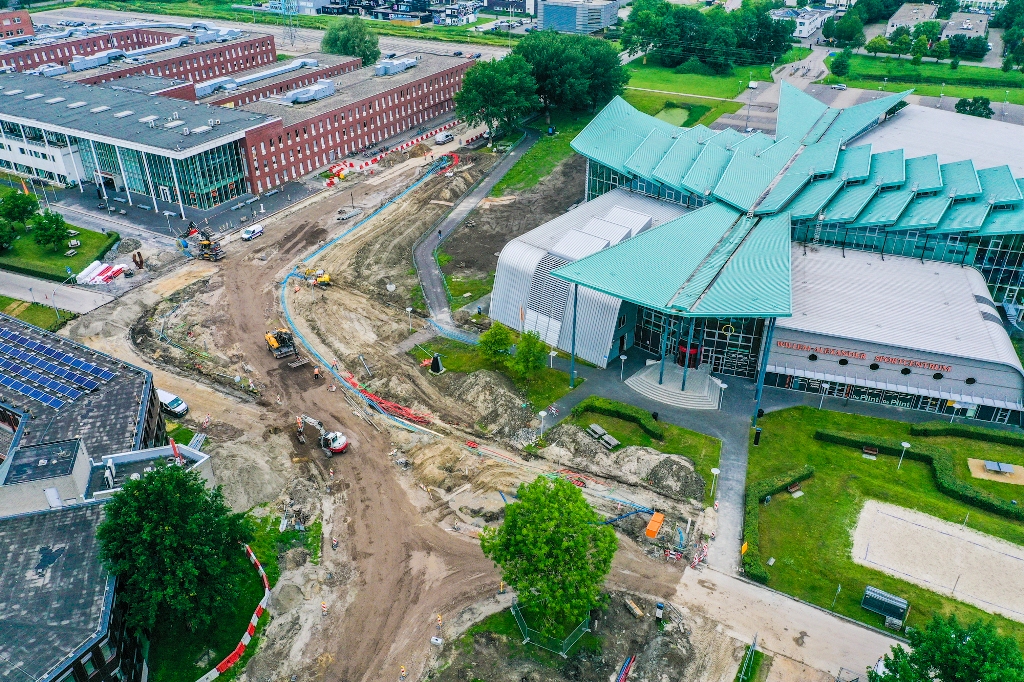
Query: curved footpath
x=423, y=256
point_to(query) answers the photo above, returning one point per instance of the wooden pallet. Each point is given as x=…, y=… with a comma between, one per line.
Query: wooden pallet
x=298, y=362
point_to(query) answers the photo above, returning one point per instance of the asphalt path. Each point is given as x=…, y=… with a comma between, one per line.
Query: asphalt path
x=47, y=292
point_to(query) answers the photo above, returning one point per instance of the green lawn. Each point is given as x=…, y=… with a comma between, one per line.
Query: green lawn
x=753, y=673
x=932, y=79
x=703, y=450
x=27, y=257
x=545, y=154
x=547, y=387
x=180, y=434
x=654, y=103
x=810, y=537
x=652, y=76
x=34, y=313
x=795, y=54
x=458, y=287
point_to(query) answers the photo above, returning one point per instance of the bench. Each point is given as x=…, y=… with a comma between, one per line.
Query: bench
x=595, y=431
x=74, y=243
x=70, y=253
x=793, y=488
x=609, y=442
x=73, y=233
x=868, y=450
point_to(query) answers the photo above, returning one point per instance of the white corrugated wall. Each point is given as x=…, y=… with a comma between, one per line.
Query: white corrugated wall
x=516, y=265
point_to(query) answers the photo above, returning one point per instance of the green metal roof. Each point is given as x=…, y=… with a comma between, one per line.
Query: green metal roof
x=923, y=213
x=616, y=132
x=744, y=181
x=923, y=173
x=650, y=268
x=812, y=200
x=826, y=119
x=850, y=202
x=854, y=163
x=966, y=216
x=788, y=186
x=798, y=112
x=705, y=172
x=960, y=180
x=885, y=208
x=1003, y=222
x=695, y=286
x=819, y=158
x=651, y=151
x=887, y=168
x=998, y=185
x=676, y=162
x=756, y=280
x=727, y=138
x=857, y=119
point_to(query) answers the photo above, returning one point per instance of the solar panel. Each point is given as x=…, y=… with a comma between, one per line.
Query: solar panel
x=33, y=393
x=103, y=374
x=36, y=377
x=47, y=366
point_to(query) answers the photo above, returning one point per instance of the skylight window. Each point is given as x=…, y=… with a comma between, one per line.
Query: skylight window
x=147, y=119
x=122, y=114
x=14, y=92
x=75, y=105
x=97, y=110
x=54, y=100
x=34, y=95
x=174, y=124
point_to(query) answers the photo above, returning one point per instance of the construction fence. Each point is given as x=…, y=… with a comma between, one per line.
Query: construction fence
x=558, y=646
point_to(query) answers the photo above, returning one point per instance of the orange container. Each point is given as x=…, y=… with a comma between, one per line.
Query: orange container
x=655, y=525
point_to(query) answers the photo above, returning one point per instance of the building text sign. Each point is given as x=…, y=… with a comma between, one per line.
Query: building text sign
x=858, y=355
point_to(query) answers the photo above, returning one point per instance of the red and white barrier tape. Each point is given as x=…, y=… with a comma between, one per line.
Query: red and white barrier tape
x=233, y=657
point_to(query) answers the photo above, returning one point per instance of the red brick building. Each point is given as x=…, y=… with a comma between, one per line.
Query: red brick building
x=16, y=23
x=302, y=74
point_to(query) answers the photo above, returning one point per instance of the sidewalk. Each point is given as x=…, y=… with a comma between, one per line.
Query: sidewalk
x=46, y=292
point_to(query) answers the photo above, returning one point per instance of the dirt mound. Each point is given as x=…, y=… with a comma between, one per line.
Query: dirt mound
x=673, y=476
x=496, y=400
x=418, y=151
x=128, y=245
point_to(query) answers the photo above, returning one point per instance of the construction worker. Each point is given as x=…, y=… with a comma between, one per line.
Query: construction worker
x=402, y=674
x=334, y=364
x=316, y=373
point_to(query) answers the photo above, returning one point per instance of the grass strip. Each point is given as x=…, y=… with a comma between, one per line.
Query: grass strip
x=753, y=567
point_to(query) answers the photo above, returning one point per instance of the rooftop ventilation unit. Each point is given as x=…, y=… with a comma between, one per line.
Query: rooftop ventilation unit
x=75, y=105
x=122, y=114
x=34, y=95
x=389, y=67
x=317, y=91
x=230, y=83
x=184, y=131
x=96, y=110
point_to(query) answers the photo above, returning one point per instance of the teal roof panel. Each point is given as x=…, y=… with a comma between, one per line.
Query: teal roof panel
x=850, y=202
x=923, y=173
x=727, y=138
x=854, y=163
x=885, y=208
x=698, y=133
x=754, y=144
x=649, y=269
x=797, y=113
x=998, y=185
x=756, y=280
x=813, y=199
x=818, y=159
x=1003, y=222
x=779, y=154
x=960, y=180
x=966, y=216
x=649, y=154
x=821, y=126
x=676, y=162
x=788, y=186
x=923, y=213
x=888, y=168
x=616, y=132
x=857, y=119
x=705, y=172
x=744, y=181
x=694, y=286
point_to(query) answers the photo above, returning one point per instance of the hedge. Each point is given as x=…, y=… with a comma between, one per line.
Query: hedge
x=753, y=567
x=31, y=270
x=942, y=465
x=932, y=429
x=611, y=408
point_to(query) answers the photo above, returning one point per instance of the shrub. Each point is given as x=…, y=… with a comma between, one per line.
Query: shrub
x=753, y=567
x=933, y=429
x=611, y=408
x=695, y=66
x=943, y=469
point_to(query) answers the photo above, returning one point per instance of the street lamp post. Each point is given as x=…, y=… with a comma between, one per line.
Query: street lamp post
x=54, y=301
x=542, y=414
x=905, y=445
x=714, y=473
x=408, y=311
x=824, y=392
x=553, y=354
x=622, y=366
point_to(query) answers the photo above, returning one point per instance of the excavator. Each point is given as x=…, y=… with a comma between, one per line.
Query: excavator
x=209, y=248
x=333, y=442
x=281, y=343
x=318, y=277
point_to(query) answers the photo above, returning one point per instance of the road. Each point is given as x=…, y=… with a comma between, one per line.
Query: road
x=46, y=292
x=430, y=275
x=296, y=42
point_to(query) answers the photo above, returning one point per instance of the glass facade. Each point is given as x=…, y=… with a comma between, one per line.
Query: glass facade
x=728, y=346
x=602, y=179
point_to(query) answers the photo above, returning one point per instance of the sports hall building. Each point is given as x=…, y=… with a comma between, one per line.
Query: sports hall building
x=806, y=261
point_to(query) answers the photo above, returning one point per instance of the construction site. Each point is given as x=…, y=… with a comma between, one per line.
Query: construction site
x=293, y=353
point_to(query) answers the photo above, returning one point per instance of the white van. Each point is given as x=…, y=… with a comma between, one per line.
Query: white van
x=443, y=138
x=251, y=232
x=172, y=404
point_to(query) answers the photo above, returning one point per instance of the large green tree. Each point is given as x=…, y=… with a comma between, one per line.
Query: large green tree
x=553, y=552
x=948, y=651
x=18, y=207
x=531, y=354
x=975, y=106
x=497, y=92
x=351, y=36
x=49, y=229
x=7, y=234
x=175, y=547
x=495, y=343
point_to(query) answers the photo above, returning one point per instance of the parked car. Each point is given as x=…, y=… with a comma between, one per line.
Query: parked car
x=475, y=55
x=457, y=53
x=839, y=86
x=752, y=85
x=443, y=138
x=172, y=404
x=251, y=232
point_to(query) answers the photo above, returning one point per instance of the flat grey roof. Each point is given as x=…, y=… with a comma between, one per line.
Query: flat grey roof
x=145, y=85
x=40, y=462
x=912, y=13
x=52, y=108
x=901, y=302
x=324, y=60
x=356, y=86
x=55, y=594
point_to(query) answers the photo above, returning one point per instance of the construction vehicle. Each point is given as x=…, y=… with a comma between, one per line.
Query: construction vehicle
x=333, y=442
x=209, y=248
x=281, y=343
x=318, y=277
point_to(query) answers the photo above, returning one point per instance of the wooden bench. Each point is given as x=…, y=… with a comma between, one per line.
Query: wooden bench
x=595, y=431
x=793, y=488
x=73, y=233
x=609, y=442
x=74, y=243
x=70, y=253
x=868, y=450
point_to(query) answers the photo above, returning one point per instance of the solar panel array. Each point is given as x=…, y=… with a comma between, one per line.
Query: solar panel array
x=14, y=361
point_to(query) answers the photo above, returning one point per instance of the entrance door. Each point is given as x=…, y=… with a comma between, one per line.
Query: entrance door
x=165, y=194
x=622, y=344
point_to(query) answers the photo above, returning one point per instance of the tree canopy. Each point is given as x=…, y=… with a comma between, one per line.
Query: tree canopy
x=351, y=36
x=947, y=651
x=497, y=92
x=552, y=552
x=175, y=547
x=531, y=355
x=18, y=207
x=975, y=106
x=7, y=234
x=573, y=72
x=675, y=33
x=49, y=229
x=841, y=63
x=494, y=344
